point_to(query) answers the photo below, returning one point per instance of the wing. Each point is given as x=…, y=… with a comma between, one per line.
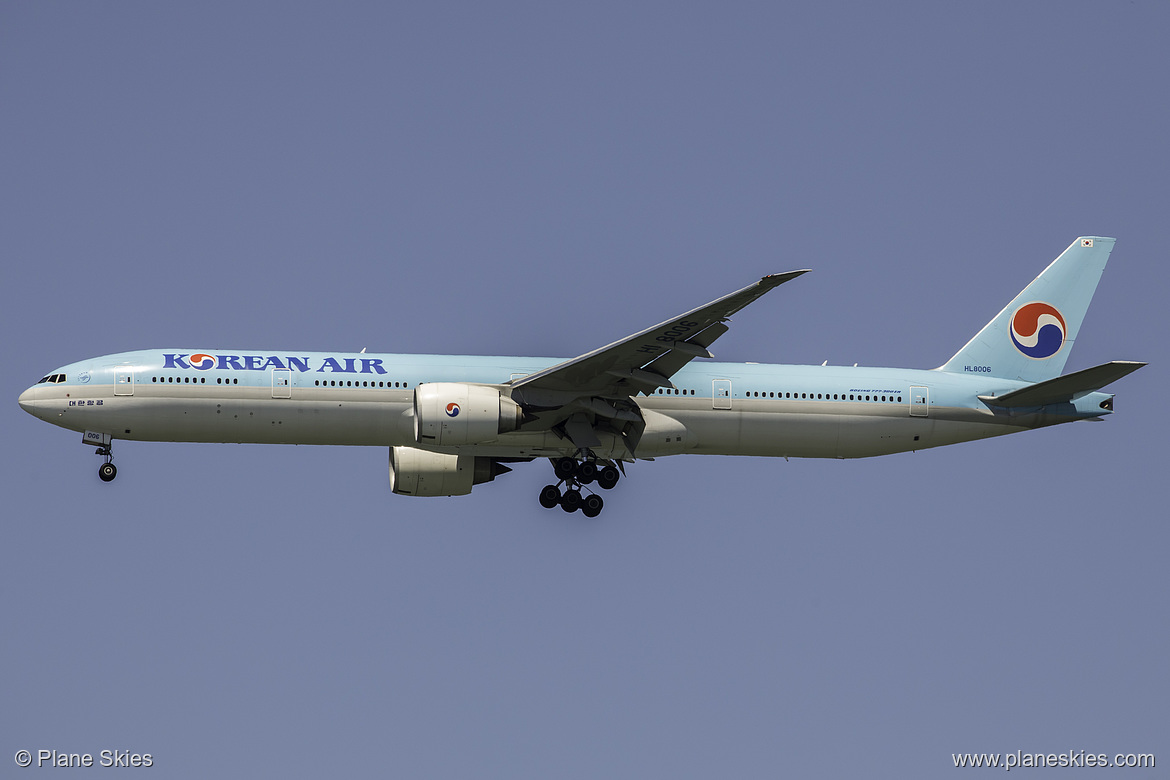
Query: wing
x=600, y=384
x=646, y=360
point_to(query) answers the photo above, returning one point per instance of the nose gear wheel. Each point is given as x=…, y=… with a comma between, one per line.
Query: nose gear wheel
x=107, y=471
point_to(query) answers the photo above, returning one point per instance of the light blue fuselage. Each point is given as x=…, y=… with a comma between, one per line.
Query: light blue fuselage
x=368, y=399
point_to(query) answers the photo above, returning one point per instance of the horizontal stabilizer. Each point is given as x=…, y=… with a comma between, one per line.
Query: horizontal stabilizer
x=1065, y=388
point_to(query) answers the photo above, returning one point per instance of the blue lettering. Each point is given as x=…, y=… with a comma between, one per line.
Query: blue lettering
x=175, y=361
x=229, y=361
x=335, y=367
x=252, y=362
x=372, y=366
x=274, y=362
x=298, y=363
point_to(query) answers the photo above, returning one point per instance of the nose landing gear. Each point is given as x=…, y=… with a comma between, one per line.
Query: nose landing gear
x=107, y=471
x=573, y=474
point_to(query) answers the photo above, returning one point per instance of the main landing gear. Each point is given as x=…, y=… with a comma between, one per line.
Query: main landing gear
x=107, y=471
x=573, y=474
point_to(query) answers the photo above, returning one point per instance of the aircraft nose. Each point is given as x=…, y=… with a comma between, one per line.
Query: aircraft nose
x=28, y=400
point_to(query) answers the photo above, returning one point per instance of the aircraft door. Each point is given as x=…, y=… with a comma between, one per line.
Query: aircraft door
x=123, y=380
x=919, y=402
x=281, y=383
x=721, y=394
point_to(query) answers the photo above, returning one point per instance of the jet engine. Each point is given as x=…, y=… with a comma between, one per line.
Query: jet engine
x=453, y=413
x=415, y=472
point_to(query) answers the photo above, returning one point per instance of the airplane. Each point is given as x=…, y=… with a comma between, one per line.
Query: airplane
x=451, y=422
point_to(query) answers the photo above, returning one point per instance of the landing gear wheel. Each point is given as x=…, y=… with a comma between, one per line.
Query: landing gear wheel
x=107, y=471
x=571, y=500
x=586, y=472
x=591, y=506
x=564, y=467
x=550, y=496
x=608, y=477
x=572, y=475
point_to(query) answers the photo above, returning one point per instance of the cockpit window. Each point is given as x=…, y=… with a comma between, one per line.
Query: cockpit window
x=52, y=379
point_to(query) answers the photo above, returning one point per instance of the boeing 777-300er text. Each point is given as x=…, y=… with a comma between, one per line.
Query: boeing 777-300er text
x=453, y=421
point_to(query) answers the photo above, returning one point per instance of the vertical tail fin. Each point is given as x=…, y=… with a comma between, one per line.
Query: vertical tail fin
x=1031, y=338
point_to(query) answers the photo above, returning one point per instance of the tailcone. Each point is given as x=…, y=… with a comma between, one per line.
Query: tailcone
x=1094, y=404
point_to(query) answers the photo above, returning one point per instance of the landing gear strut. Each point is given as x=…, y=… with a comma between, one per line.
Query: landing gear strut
x=107, y=471
x=573, y=474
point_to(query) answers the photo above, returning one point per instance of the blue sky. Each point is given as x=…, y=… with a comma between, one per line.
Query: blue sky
x=542, y=179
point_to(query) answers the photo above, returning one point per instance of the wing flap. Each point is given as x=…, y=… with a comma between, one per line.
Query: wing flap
x=672, y=361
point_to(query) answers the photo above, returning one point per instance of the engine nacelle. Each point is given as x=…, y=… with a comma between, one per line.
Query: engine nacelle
x=453, y=413
x=415, y=472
